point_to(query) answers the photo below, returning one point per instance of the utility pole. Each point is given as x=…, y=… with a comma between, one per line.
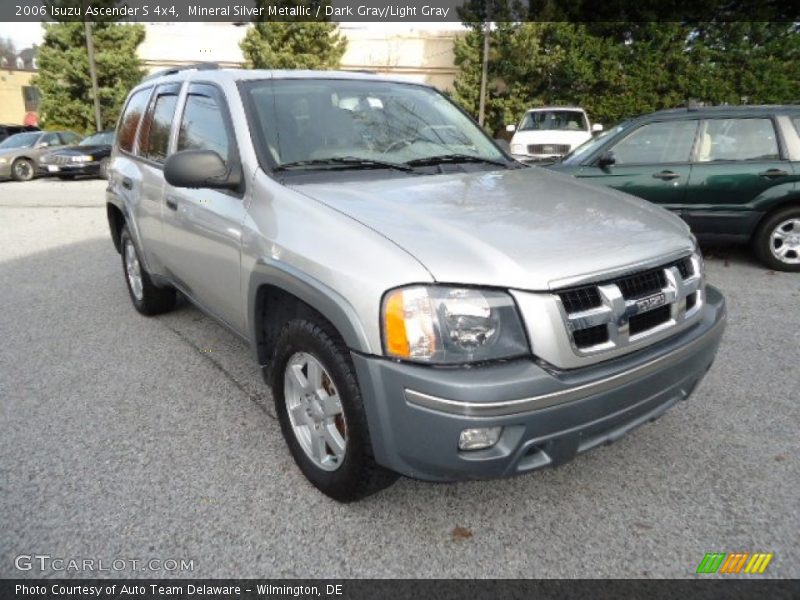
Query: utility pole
x=98, y=122
x=484, y=73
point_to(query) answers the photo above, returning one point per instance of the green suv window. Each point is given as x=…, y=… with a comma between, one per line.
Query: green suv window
x=657, y=143
x=737, y=139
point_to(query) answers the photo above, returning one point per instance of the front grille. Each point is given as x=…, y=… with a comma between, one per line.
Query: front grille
x=648, y=320
x=608, y=313
x=581, y=299
x=548, y=148
x=56, y=159
x=642, y=284
x=593, y=336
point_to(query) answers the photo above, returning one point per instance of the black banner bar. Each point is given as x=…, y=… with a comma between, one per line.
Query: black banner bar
x=400, y=10
x=356, y=589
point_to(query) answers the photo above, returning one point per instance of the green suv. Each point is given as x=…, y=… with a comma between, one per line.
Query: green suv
x=731, y=172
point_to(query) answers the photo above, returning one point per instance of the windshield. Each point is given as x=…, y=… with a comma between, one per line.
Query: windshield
x=315, y=120
x=585, y=149
x=20, y=140
x=105, y=138
x=548, y=120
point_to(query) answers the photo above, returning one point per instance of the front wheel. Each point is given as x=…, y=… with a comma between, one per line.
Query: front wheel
x=320, y=409
x=22, y=170
x=147, y=298
x=777, y=241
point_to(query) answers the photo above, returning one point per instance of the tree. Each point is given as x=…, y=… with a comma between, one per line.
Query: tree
x=64, y=80
x=293, y=44
x=619, y=70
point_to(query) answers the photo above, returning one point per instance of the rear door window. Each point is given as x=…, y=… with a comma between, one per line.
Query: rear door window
x=738, y=139
x=154, y=137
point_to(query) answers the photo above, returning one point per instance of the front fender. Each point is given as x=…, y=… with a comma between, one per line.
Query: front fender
x=322, y=298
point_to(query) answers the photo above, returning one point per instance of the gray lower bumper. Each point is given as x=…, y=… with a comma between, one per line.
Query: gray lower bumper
x=416, y=413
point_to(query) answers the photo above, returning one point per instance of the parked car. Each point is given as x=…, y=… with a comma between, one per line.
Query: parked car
x=89, y=157
x=420, y=303
x=20, y=154
x=550, y=132
x=9, y=130
x=731, y=172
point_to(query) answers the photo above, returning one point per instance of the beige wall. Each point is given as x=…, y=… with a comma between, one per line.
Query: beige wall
x=420, y=54
x=12, y=103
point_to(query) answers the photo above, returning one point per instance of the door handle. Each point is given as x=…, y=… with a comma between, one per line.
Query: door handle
x=127, y=183
x=666, y=175
x=770, y=173
x=172, y=202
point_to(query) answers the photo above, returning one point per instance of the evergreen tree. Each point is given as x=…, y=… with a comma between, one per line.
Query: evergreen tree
x=64, y=79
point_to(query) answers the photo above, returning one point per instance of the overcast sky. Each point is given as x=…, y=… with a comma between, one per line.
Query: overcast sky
x=27, y=34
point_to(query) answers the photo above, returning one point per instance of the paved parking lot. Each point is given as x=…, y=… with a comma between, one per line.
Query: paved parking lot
x=126, y=437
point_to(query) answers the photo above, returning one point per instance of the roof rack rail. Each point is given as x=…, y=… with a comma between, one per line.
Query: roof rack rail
x=200, y=66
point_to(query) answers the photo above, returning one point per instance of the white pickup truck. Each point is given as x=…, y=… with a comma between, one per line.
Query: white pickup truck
x=550, y=132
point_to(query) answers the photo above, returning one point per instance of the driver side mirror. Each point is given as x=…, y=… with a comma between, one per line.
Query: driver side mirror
x=42, y=144
x=511, y=128
x=200, y=169
x=597, y=128
x=606, y=159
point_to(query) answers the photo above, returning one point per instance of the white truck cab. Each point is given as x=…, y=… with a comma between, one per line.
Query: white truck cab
x=550, y=132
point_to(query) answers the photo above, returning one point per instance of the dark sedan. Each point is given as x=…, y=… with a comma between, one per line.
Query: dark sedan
x=90, y=158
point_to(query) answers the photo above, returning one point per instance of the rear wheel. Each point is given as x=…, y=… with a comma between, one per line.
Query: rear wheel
x=321, y=413
x=777, y=241
x=147, y=298
x=22, y=170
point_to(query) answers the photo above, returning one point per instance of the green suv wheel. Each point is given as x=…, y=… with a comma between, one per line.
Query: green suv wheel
x=777, y=241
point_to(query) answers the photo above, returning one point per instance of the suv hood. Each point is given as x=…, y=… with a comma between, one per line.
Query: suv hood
x=521, y=228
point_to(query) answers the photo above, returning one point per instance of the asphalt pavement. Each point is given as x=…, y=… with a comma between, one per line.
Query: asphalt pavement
x=128, y=438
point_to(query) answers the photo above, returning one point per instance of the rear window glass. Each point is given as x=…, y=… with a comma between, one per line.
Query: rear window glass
x=130, y=119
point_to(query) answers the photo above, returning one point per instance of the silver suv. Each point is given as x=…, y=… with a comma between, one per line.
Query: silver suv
x=421, y=303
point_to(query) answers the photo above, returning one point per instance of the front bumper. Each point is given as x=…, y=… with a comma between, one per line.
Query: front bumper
x=90, y=168
x=5, y=170
x=416, y=413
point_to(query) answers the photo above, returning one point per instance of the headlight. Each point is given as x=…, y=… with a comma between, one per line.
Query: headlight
x=517, y=148
x=82, y=159
x=450, y=325
x=3, y=161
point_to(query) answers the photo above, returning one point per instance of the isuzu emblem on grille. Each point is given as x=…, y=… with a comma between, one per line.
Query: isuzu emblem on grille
x=651, y=302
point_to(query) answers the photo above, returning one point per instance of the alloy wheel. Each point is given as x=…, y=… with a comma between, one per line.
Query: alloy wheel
x=133, y=271
x=784, y=241
x=315, y=411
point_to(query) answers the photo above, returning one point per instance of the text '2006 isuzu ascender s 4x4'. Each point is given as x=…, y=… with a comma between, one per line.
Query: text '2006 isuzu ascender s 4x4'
x=421, y=303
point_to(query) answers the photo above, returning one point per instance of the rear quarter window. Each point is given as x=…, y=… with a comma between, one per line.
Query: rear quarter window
x=129, y=122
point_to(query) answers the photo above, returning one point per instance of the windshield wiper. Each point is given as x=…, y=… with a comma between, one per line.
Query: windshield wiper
x=343, y=162
x=453, y=159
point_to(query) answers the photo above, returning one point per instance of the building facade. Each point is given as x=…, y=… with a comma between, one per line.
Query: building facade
x=422, y=54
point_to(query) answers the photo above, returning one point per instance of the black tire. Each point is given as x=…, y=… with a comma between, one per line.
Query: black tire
x=762, y=242
x=358, y=475
x=22, y=169
x=152, y=300
x=102, y=172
